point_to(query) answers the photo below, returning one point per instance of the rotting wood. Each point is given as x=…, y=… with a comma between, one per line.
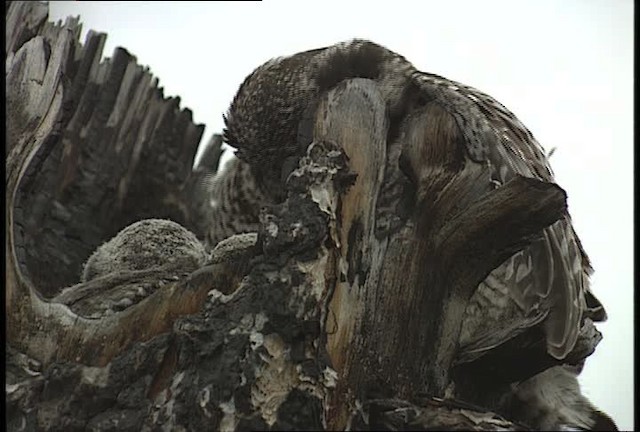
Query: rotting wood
x=397, y=310
x=108, y=147
x=85, y=156
x=322, y=325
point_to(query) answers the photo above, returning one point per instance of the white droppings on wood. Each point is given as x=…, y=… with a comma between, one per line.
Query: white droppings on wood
x=274, y=380
x=229, y=420
x=272, y=229
x=325, y=197
x=220, y=297
x=329, y=377
x=316, y=285
x=256, y=340
x=204, y=396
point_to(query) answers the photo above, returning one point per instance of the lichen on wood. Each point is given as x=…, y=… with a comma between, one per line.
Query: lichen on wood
x=332, y=315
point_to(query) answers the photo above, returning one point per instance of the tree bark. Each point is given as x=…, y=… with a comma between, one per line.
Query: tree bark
x=324, y=324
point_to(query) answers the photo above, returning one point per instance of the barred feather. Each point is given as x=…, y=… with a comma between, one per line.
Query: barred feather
x=550, y=277
x=262, y=121
x=552, y=400
x=235, y=202
x=547, y=282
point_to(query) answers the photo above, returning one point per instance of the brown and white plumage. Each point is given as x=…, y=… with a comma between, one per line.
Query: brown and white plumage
x=234, y=201
x=548, y=281
x=545, y=284
x=552, y=400
x=262, y=121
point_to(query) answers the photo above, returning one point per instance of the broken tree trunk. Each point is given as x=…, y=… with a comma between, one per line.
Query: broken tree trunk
x=105, y=148
x=322, y=325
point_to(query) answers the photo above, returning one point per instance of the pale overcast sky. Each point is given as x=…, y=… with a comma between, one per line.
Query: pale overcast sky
x=564, y=67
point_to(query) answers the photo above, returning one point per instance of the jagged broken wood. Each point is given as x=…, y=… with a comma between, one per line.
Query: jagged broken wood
x=322, y=325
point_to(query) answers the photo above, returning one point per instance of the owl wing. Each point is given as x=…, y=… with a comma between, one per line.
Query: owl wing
x=549, y=278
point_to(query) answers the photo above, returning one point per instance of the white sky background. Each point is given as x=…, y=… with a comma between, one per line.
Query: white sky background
x=564, y=67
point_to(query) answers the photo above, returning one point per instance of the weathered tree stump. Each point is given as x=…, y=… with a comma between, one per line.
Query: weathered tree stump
x=108, y=149
x=320, y=325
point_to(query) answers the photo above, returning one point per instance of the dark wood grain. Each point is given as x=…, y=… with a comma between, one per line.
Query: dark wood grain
x=326, y=322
